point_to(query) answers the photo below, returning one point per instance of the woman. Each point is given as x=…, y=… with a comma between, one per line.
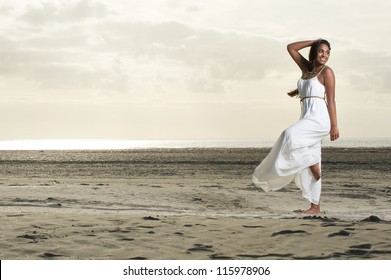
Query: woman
x=297, y=152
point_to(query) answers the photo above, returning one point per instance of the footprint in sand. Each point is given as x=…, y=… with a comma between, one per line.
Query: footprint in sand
x=252, y=226
x=359, y=250
x=285, y=232
x=373, y=219
x=267, y=256
x=50, y=255
x=340, y=233
x=219, y=257
x=362, y=246
x=126, y=239
x=149, y=218
x=200, y=248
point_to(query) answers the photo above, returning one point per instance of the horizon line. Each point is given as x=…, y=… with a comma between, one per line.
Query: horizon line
x=122, y=144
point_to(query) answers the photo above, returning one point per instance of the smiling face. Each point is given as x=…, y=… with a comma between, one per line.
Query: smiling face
x=319, y=54
x=322, y=54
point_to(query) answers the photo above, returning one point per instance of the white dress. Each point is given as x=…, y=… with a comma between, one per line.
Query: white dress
x=299, y=146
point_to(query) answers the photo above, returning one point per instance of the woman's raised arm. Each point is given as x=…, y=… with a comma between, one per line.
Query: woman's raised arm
x=293, y=49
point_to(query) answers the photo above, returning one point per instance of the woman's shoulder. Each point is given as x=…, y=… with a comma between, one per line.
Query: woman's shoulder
x=328, y=72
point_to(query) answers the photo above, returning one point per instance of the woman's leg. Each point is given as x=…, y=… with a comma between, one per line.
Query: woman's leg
x=316, y=172
x=315, y=169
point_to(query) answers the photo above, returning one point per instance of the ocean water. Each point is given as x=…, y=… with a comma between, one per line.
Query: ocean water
x=84, y=144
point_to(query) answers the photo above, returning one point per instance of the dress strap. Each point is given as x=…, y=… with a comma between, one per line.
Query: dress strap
x=321, y=70
x=310, y=75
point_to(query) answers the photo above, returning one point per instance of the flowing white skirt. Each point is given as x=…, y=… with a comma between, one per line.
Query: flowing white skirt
x=297, y=148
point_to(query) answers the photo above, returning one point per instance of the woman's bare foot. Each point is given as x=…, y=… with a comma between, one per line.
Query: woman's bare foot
x=314, y=209
x=315, y=169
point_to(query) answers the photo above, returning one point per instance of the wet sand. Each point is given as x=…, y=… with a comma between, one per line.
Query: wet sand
x=188, y=204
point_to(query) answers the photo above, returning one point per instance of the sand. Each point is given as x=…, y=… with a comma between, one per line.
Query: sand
x=188, y=204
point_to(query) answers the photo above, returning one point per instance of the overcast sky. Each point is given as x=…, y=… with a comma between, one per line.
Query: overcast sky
x=176, y=69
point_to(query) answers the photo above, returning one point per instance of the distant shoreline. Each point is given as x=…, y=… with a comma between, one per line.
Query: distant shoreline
x=85, y=144
x=325, y=150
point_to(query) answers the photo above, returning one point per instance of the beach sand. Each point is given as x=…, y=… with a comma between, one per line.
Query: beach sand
x=188, y=204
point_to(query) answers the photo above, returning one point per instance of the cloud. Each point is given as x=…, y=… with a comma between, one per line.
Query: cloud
x=231, y=55
x=69, y=11
x=365, y=70
x=83, y=55
x=5, y=9
x=213, y=56
x=54, y=68
x=64, y=46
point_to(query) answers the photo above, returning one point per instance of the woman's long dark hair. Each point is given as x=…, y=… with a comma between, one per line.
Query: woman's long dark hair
x=311, y=60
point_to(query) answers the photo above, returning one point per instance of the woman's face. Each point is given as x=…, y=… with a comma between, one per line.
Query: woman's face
x=322, y=55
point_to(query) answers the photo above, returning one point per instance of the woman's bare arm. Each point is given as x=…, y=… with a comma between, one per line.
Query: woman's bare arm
x=329, y=83
x=293, y=50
